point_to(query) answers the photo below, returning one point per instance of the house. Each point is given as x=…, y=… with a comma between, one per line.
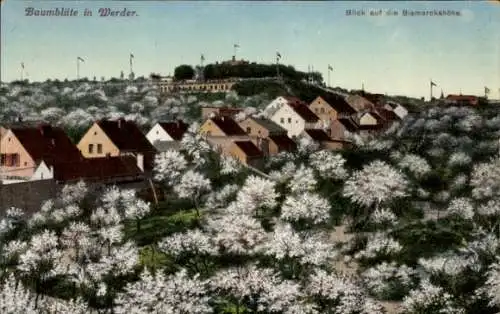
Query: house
x=22, y=149
x=278, y=102
x=331, y=107
x=261, y=127
x=342, y=127
x=461, y=100
x=167, y=131
x=165, y=146
x=247, y=153
x=295, y=117
x=103, y=170
x=398, y=109
x=221, y=126
x=117, y=138
x=368, y=118
x=360, y=103
x=324, y=141
x=279, y=143
x=208, y=112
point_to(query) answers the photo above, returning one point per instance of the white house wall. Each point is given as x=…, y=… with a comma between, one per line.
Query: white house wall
x=295, y=126
x=400, y=111
x=42, y=172
x=157, y=133
x=367, y=119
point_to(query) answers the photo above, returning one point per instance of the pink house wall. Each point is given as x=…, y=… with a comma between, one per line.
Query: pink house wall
x=11, y=145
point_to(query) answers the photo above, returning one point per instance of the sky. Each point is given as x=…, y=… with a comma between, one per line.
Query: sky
x=397, y=55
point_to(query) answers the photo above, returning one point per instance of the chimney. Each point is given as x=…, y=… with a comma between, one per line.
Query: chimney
x=140, y=162
x=121, y=123
x=179, y=123
x=234, y=58
x=53, y=141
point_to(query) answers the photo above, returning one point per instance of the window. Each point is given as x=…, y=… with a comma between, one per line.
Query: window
x=3, y=159
x=9, y=139
x=289, y=120
x=99, y=148
x=322, y=110
x=95, y=133
x=15, y=160
x=25, y=163
x=249, y=129
x=91, y=148
x=282, y=120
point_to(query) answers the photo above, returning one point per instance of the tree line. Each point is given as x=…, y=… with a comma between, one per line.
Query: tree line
x=220, y=71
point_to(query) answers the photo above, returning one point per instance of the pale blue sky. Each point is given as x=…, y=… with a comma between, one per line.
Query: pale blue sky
x=394, y=55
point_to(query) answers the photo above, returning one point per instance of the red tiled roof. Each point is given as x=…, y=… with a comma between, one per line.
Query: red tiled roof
x=303, y=111
x=126, y=135
x=228, y=126
x=338, y=103
x=318, y=135
x=388, y=115
x=293, y=100
x=462, y=97
x=97, y=169
x=377, y=116
x=46, y=142
x=248, y=148
x=283, y=142
x=349, y=124
x=371, y=127
x=175, y=129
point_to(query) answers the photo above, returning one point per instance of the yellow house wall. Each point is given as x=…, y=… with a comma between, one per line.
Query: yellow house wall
x=95, y=135
x=211, y=129
x=255, y=128
x=328, y=112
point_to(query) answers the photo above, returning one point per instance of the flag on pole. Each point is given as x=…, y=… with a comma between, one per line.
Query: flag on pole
x=278, y=55
x=131, y=56
x=202, y=57
x=236, y=46
x=22, y=65
x=486, y=90
x=330, y=68
x=80, y=59
x=433, y=84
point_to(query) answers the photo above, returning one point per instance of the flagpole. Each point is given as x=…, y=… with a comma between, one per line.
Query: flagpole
x=77, y=68
x=22, y=71
x=131, y=69
x=329, y=76
x=430, y=99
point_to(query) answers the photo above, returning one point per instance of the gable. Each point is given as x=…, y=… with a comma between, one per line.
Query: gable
x=157, y=133
x=210, y=128
x=367, y=119
x=10, y=144
x=96, y=135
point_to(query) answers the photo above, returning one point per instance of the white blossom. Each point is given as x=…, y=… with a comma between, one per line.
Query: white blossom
x=192, y=185
x=306, y=206
x=175, y=294
x=427, y=298
x=169, y=167
x=377, y=182
x=302, y=181
x=417, y=165
x=340, y=293
x=328, y=164
x=384, y=277
x=462, y=207
x=379, y=244
x=485, y=180
x=192, y=241
x=459, y=159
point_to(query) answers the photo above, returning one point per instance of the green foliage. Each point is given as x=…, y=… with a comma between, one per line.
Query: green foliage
x=425, y=239
x=252, y=87
x=184, y=72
